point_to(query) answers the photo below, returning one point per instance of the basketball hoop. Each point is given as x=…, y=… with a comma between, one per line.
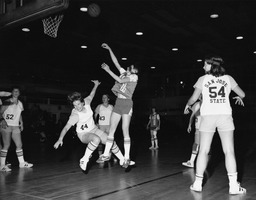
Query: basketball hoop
x=51, y=25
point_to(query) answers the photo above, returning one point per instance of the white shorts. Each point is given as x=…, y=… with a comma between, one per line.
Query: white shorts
x=95, y=131
x=105, y=128
x=209, y=123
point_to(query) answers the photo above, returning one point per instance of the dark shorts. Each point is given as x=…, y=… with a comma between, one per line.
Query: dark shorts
x=123, y=106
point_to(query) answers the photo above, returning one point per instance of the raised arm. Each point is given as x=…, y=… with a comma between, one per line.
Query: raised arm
x=112, y=55
x=5, y=94
x=96, y=84
x=114, y=76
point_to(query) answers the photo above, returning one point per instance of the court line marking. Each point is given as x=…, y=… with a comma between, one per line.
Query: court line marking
x=136, y=185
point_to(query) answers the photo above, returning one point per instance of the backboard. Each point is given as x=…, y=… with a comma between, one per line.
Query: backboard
x=15, y=12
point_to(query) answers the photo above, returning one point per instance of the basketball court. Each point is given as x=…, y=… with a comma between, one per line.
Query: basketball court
x=158, y=174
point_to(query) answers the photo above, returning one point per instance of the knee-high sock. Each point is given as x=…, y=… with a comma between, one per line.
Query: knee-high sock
x=115, y=150
x=20, y=156
x=156, y=142
x=127, y=146
x=194, y=152
x=152, y=141
x=3, y=156
x=199, y=179
x=232, y=177
x=89, y=150
x=109, y=144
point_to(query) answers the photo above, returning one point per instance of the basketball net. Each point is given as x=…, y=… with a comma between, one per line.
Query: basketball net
x=51, y=25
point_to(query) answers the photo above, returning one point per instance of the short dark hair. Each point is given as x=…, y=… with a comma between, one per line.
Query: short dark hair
x=15, y=87
x=74, y=97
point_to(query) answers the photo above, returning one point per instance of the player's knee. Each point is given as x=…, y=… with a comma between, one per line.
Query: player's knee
x=96, y=140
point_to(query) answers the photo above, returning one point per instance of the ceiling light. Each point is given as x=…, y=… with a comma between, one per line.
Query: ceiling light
x=83, y=9
x=153, y=67
x=84, y=47
x=25, y=29
x=124, y=58
x=139, y=33
x=239, y=37
x=214, y=16
x=254, y=52
x=175, y=49
x=199, y=60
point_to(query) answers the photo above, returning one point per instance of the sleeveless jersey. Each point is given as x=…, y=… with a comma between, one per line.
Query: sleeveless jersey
x=84, y=120
x=125, y=90
x=12, y=114
x=154, y=120
x=104, y=114
x=215, y=91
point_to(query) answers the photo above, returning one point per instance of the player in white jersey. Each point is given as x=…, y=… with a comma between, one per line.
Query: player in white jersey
x=124, y=88
x=154, y=126
x=194, y=115
x=104, y=112
x=87, y=131
x=13, y=118
x=216, y=112
x=2, y=121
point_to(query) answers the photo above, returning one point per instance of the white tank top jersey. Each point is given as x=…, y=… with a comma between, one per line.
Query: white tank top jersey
x=125, y=90
x=84, y=120
x=104, y=114
x=215, y=91
x=12, y=114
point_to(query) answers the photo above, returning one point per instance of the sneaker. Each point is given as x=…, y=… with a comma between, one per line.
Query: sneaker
x=188, y=164
x=151, y=148
x=156, y=148
x=196, y=188
x=130, y=164
x=102, y=159
x=126, y=163
x=25, y=165
x=83, y=164
x=5, y=168
x=237, y=189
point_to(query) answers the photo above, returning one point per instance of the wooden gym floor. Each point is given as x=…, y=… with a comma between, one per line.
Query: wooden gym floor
x=158, y=174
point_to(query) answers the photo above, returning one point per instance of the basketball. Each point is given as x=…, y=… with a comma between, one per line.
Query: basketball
x=93, y=10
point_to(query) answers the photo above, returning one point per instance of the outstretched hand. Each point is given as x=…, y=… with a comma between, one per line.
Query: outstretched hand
x=238, y=101
x=105, y=67
x=96, y=82
x=105, y=46
x=58, y=143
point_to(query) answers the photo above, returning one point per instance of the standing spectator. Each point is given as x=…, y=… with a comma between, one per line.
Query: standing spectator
x=154, y=126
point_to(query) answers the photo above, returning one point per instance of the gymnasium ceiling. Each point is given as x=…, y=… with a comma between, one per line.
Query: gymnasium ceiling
x=166, y=24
